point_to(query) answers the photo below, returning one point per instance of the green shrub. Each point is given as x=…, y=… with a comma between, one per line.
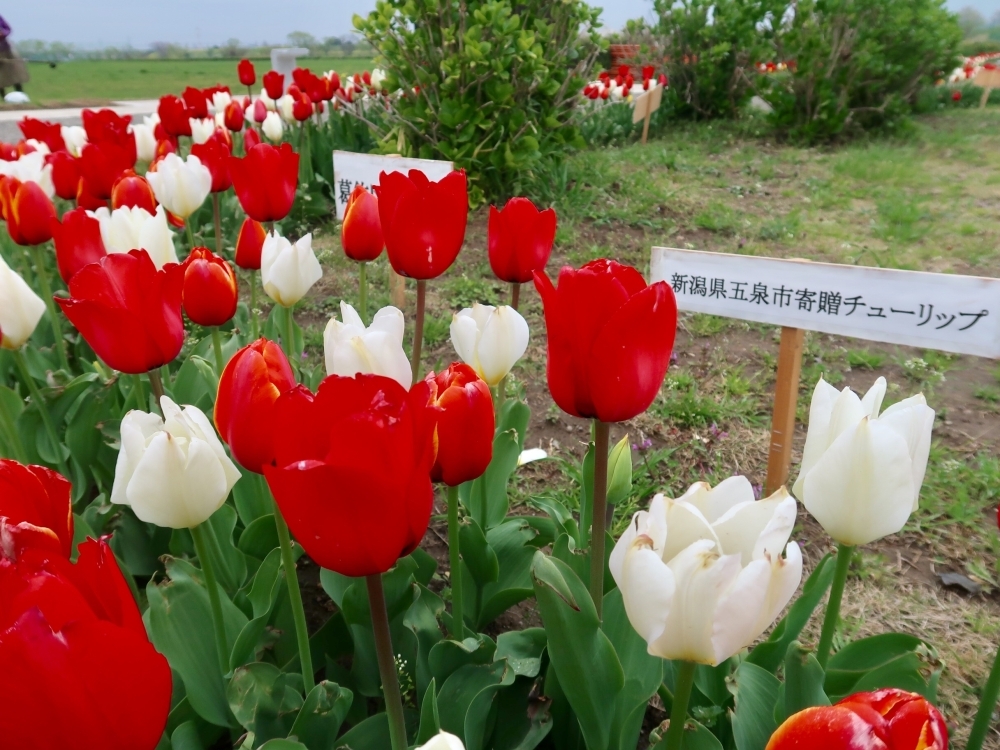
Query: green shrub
x=488, y=84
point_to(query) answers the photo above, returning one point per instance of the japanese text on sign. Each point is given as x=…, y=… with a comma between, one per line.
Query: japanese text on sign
x=351, y=169
x=937, y=311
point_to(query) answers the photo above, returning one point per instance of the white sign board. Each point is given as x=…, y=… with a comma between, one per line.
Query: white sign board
x=647, y=103
x=946, y=312
x=351, y=169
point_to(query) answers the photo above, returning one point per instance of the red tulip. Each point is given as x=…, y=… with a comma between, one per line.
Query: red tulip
x=914, y=723
x=249, y=245
x=259, y=112
x=956, y=96
x=49, y=133
x=831, y=728
x=106, y=126
x=86, y=199
x=214, y=154
x=465, y=424
x=234, y=116
x=133, y=190
x=609, y=339
x=352, y=470
x=78, y=242
x=361, y=232
x=78, y=667
x=274, y=84
x=36, y=504
x=244, y=407
x=8, y=152
x=127, y=311
x=197, y=104
x=174, y=116
x=65, y=174
x=423, y=222
x=334, y=80
x=520, y=239
x=210, y=292
x=251, y=138
x=101, y=164
x=28, y=211
x=265, y=181
x=248, y=76
x=302, y=106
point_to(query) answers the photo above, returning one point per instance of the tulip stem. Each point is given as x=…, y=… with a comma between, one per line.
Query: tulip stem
x=156, y=384
x=295, y=597
x=290, y=340
x=455, y=559
x=217, y=346
x=418, y=330
x=190, y=234
x=984, y=716
x=844, y=554
x=598, y=520
x=221, y=646
x=43, y=282
x=140, y=397
x=11, y=433
x=363, y=291
x=43, y=409
x=678, y=712
x=501, y=397
x=515, y=294
x=254, y=323
x=386, y=662
x=218, y=223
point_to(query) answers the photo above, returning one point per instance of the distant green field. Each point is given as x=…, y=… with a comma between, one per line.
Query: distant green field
x=92, y=81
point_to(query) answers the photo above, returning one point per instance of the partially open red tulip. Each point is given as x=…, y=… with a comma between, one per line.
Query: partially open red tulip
x=423, y=222
x=214, y=154
x=914, y=723
x=465, y=424
x=520, y=240
x=609, y=339
x=49, y=133
x=361, y=232
x=250, y=244
x=133, y=190
x=210, y=291
x=234, y=116
x=78, y=242
x=265, y=181
x=37, y=506
x=274, y=84
x=244, y=407
x=197, y=104
x=174, y=116
x=28, y=211
x=831, y=728
x=65, y=174
x=127, y=311
x=246, y=73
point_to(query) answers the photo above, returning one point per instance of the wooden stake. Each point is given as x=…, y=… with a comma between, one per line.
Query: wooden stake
x=786, y=396
x=986, y=96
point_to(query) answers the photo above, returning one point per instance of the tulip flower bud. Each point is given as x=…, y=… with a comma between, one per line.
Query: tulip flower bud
x=210, y=293
x=265, y=180
x=246, y=73
x=351, y=348
x=181, y=185
x=126, y=229
x=520, y=239
x=490, y=339
x=286, y=270
x=465, y=424
x=20, y=309
x=861, y=472
x=78, y=242
x=201, y=129
x=234, y=117
x=443, y=741
x=274, y=84
x=145, y=142
x=75, y=138
x=620, y=472
x=272, y=127
x=65, y=174
x=249, y=244
x=133, y=191
x=28, y=211
x=361, y=232
x=172, y=470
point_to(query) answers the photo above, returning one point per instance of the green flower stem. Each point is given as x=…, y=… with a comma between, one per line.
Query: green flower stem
x=844, y=554
x=290, y=340
x=11, y=433
x=455, y=560
x=213, y=597
x=295, y=597
x=43, y=409
x=41, y=271
x=218, y=224
x=678, y=713
x=418, y=328
x=984, y=716
x=598, y=517
x=140, y=396
x=386, y=663
x=156, y=384
x=515, y=294
x=501, y=397
x=363, y=292
x=217, y=346
x=254, y=322
x=190, y=233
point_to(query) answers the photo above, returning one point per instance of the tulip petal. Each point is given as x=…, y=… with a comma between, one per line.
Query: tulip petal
x=872, y=401
x=913, y=419
x=754, y=529
x=503, y=341
x=738, y=610
x=827, y=728
x=715, y=502
x=647, y=588
x=652, y=523
x=464, y=337
x=786, y=574
x=823, y=398
x=685, y=525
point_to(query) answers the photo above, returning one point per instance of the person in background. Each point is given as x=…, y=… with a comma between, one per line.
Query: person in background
x=13, y=71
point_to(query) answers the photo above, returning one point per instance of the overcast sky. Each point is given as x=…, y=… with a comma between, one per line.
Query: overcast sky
x=101, y=23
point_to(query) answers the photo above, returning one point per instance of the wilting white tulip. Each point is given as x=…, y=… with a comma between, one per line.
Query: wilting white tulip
x=489, y=339
x=351, y=348
x=145, y=141
x=272, y=127
x=862, y=471
x=134, y=228
x=75, y=138
x=201, y=128
x=703, y=576
x=30, y=168
x=20, y=308
x=181, y=185
x=286, y=270
x=172, y=470
x=443, y=741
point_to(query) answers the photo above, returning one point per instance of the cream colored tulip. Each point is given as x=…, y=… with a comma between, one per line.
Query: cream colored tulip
x=443, y=741
x=201, y=128
x=220, y=100
x=172, y=470
x=378, y=349
x=286, y=270
x=181, y=185
x=861, y=470
x=30, y=168
x=703, y=576
x=145, y=141
x=75, y=138
x=134, y=228
x=20, y=309
x=272, y=128
x=489, y=339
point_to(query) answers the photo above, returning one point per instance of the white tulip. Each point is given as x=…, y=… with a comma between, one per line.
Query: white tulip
x=220, y=100
x=75, y=138
x=443, y=741
x=286, y=105
x=181, y=185
x=861, y=472
x=40, y=146
x=134, y=228
x=286, y=270
x=351, y=348
x=270, y=103
x=20, y=308
x=30, y=168
x=272, y=127
x=703, y=576
x=201, y=128
x=489, y=339
x=172, y=470
x=378, y=77
x=145, y=142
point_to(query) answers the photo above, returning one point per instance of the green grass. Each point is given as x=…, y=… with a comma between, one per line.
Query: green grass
x=109, y=80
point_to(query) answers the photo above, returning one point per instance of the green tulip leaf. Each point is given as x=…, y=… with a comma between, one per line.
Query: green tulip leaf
x=321, y=715
x=370, y=734
x=803, y=686
x=523, y=650
x=430, y=719
x=263, y=701
x=887, y=660
x=421, y=619
x=196, y=384
x=478, y=556
x=260, y=537
x=756, y=696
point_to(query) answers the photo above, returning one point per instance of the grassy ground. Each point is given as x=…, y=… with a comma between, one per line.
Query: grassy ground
x=96, y=81
x=930, y=201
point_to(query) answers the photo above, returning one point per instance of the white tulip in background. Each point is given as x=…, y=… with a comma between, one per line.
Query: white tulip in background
x=703, y=576
x=285, y=108
x=173, y=470
x=30, y=168
x=489, y=339
x=270, y=103
x=220, y=100
x=286, y=270
x=443, y=741
x=40, y=146
x=145, y=141
x=20, y=309
x=75, y=138
x=201, y=128
x=272, y=127
x=378, y=76
x=862, y=471
x=126, y=229
x=181, y=185
x=351, y=348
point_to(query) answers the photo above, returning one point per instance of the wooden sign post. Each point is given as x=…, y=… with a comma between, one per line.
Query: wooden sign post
x=988, y=79
x=647, y=103
x=939, y=311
